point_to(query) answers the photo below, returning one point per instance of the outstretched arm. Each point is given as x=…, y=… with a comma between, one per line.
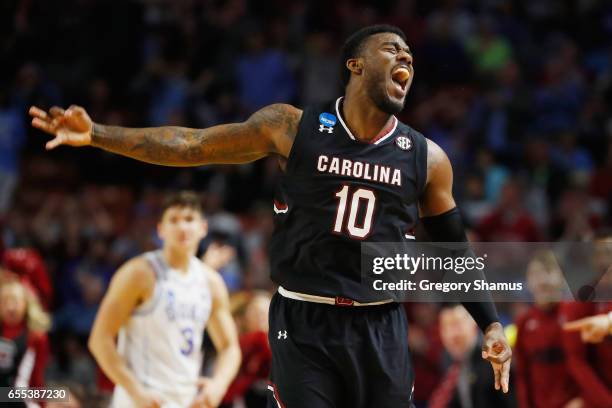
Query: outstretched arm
x=442, y=222
x=270, y=130
x=593, y=329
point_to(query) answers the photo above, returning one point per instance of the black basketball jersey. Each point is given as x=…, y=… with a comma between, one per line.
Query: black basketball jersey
x=338, y=192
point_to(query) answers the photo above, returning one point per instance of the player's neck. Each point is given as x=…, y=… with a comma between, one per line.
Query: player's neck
x=178, y=260
x=364, y=119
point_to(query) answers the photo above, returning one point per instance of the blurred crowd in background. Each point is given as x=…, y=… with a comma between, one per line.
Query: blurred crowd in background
x=518, y=93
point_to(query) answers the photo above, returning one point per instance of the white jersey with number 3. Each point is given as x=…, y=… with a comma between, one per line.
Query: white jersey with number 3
x=161, y=343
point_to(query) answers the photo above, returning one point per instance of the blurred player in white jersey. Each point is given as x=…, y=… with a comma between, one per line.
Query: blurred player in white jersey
x=159, y=304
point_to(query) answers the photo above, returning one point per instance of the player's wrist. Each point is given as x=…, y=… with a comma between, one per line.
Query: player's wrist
x=95, y=132
x=610, y=322
x=495, y=326
x=134, y=389
x=220, y=383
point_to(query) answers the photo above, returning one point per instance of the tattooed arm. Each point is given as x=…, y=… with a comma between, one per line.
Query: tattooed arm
x=270, y=130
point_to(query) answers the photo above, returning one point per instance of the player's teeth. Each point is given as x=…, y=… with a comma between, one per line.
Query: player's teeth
x=401, y=75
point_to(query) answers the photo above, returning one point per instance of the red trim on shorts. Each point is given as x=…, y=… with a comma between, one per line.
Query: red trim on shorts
x=280, y=206
x=276, y=396
x=342, y=301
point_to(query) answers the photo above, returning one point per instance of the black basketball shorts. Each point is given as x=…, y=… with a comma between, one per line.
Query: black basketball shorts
x=327, y=356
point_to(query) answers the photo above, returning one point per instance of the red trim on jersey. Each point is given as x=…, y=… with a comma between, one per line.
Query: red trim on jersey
x=386, y=131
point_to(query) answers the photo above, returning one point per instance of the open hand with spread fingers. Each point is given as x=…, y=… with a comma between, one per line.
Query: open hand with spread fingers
x=72, y=126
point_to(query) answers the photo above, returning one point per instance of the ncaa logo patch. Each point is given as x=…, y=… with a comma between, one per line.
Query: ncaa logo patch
x=327, y=121
x=403, y=142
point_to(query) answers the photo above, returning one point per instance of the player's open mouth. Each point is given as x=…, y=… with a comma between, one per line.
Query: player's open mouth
x=400, y=76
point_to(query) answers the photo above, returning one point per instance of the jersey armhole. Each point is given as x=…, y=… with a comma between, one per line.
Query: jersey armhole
x=206, y=271
x=149, y=305
x=421, y=162
x=297, y=140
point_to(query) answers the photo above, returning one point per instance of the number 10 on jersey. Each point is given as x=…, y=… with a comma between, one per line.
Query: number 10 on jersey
x=356, y=230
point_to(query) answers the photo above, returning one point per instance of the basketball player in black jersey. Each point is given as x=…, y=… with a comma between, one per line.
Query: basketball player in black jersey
x=352, y=173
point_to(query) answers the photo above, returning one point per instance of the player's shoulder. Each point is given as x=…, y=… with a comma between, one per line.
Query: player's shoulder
x=417, y=139
x=216, y=285
x=213, y=279
x=283, y=109
x=432, y=147
x=277, y=114
x=323, y=112
x=288, y=109
x=437, y=159
x=278, y=124
x=409, y=130
x=137, y=271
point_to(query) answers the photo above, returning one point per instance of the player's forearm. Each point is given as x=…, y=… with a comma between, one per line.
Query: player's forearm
x=179, y=146
x=227, y=365
x=448, y=227
x=113, y=365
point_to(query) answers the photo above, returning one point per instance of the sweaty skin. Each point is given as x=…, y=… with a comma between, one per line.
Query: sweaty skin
x=380, y=79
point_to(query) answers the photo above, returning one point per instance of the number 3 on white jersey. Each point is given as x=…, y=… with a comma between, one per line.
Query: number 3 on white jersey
x=354, y=230
x=187, y=346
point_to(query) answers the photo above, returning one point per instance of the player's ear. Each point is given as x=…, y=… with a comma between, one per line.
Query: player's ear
x=355, y=65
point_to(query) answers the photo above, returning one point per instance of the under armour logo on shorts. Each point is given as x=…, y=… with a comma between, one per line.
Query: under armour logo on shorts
x=282, y=334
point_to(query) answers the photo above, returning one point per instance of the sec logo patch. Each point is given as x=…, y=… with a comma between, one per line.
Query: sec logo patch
x=403, y=142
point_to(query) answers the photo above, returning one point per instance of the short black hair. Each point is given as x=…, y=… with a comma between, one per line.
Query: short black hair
x=353, y=45
x=185, y=198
